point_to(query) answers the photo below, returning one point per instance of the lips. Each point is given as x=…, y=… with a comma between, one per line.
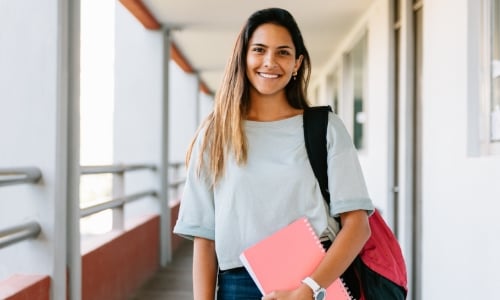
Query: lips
x=269, y=76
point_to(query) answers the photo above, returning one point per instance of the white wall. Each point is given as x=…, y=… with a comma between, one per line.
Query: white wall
x=373, y=157
x=184, y=110
x=27, y=62
x=206, y=106
x=460, y=193
x=139, y=93
x=184, y=103
x=33, y=114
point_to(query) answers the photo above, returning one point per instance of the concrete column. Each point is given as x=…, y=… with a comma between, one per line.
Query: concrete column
x=39, y=111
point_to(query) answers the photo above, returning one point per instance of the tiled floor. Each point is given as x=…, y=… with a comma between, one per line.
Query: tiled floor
x=172, y=282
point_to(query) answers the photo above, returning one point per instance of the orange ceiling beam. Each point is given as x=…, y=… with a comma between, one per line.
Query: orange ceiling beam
x=146, y=18
x=204, y=88
x=178, y=57
x=137, y=8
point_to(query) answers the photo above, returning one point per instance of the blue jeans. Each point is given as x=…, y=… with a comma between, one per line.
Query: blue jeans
x=236, y=284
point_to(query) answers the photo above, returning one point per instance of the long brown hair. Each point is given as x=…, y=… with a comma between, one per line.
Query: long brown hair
x=223, y=128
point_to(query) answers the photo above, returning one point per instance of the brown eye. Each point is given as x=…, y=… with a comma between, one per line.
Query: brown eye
x=258, y=49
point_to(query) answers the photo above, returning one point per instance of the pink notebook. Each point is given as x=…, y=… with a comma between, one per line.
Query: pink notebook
x=282, y=260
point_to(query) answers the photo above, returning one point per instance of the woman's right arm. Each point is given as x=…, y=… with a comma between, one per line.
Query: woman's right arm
x=204, y=269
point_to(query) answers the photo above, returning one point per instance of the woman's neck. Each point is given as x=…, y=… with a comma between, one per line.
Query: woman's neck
x=270, y=108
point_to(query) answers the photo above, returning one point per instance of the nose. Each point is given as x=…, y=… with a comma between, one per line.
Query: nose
x=269, y=60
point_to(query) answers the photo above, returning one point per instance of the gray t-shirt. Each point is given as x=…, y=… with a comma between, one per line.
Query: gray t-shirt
x=274, y=188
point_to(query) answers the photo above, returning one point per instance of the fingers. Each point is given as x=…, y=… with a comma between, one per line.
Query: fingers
x=270, y=296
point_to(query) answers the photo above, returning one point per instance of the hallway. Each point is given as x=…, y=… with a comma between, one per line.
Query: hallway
x=99, y=101
x=172, y=282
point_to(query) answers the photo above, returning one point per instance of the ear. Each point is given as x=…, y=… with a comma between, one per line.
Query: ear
x=298, y=62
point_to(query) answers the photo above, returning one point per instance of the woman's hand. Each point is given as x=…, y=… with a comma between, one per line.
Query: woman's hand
x=303, y=292
x=351, y=238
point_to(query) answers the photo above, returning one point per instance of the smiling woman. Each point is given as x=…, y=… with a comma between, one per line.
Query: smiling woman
x=271, y=62
x=248, y=161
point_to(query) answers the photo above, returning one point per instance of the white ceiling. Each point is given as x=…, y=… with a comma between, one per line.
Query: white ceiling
x=205, y=30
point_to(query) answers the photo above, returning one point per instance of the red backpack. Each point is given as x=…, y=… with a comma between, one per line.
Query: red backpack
x=379, y=270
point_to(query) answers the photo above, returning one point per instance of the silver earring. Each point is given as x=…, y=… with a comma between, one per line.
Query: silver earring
x=294, y=75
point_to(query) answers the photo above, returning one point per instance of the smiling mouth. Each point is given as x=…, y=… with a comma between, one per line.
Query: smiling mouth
x=270, y=76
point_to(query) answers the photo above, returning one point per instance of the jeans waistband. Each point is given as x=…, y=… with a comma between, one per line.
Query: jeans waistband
x=233, y=270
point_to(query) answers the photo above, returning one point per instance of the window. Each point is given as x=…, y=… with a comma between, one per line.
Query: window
x=356, y=78
x=495, y=73
x=490, y=78
x=333, y=90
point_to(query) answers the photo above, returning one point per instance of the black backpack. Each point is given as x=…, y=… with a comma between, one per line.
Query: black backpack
x=369, y=277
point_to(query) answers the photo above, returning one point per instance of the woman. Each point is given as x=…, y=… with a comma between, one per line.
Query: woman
x=248, y=172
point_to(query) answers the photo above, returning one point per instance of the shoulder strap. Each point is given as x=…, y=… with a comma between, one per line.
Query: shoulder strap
x=381, y=254
x=315, y=126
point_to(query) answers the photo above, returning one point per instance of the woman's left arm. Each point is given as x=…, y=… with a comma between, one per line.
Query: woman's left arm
x=346, y=246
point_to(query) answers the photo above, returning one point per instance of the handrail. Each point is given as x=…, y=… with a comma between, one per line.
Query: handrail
x=176, y=165
x=19, y=175
x=119, y=168
x=176, y=183
x=113, y=203
x=19, y=233
x=119, y=202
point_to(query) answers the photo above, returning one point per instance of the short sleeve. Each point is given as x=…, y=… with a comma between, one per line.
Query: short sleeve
x=346, y=182
x=197, y=211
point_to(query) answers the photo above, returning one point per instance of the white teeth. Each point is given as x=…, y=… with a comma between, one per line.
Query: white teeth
x=268, y=75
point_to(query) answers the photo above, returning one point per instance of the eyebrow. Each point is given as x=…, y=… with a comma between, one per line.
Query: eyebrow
x=265, y=46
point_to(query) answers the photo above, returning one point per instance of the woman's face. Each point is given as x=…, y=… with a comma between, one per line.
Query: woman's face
x=271, y=59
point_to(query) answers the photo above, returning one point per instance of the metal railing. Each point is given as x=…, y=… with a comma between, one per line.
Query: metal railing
x=12, y=176
x=177, y=182
x=19, y=175
x=114, y=203
x=18, y=233
x=119, y=199
x=115, y=169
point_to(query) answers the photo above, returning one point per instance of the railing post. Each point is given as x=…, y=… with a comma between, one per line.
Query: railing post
x=118, y=192
x=175, y=177
x=163, y=196
x=68, y=270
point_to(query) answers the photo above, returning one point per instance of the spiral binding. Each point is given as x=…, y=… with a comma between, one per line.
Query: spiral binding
x=313, y=234
x=320, y=246
x=348, y=291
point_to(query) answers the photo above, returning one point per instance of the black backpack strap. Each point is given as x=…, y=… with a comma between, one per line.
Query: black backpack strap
x=315, y=126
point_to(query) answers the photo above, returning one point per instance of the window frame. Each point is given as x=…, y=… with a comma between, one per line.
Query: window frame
x=488, y=144
x=349, y=85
